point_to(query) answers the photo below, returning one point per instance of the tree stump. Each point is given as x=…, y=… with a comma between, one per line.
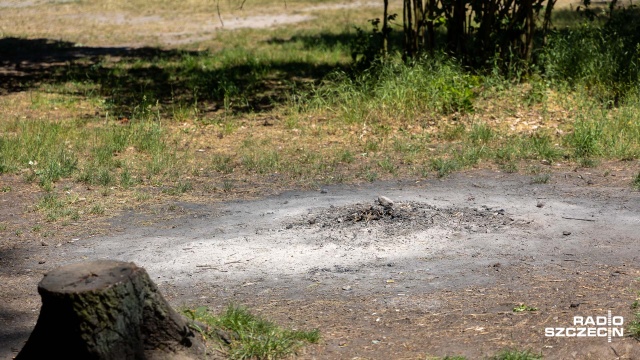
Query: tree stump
x=107, y=310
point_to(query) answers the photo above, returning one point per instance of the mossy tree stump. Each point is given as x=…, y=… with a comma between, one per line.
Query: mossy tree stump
x=107, y=310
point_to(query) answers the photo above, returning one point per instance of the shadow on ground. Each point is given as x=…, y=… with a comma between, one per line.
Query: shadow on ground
x=134, y=80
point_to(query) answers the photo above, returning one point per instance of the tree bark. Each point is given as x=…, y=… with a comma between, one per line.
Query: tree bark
x=107, y=310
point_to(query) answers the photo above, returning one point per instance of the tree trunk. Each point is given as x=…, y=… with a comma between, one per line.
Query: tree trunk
x=107, y=310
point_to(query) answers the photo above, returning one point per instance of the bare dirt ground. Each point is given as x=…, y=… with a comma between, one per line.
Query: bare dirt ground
x=438, y=273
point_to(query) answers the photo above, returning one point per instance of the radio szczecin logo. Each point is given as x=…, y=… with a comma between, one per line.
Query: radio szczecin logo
x=590, y=326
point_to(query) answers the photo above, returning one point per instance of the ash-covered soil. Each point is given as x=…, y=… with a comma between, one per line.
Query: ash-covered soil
x=396, y=218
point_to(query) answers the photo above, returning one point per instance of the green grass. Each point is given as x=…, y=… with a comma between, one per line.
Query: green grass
x=634, y=325
x=180, y=188
x=443, y=167
x=523, y=307
x=513, y=354
x=636, y=181
x=541, y=179
x=397, y=91
x=55, y=208
x=251, y=336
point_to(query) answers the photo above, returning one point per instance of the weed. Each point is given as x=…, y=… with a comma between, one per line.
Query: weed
x=50, y=201
x=470, y=156
x=540, y=146
x=636, y=181
x=506, y=153
x=444, y=166
x=227, y=185
x=371, y=146
x=585, y=138
x=534, y=169
x=587, y=162
x=451, y=133
x=537, y=92
x=222, y=163
x=3, y=226
x=509, y=167
x=252, y=336
x=97, y=209
x=73, y=214
x=126, y=179
x=180, y=188
x=481, y=133
x=291, y=122
x=104, y=177
x=634, y=326
x=541, y=179
x=262, y=162
x=513, y=354
x=387, y=165
x=523, y=307
x=346, y=156
x=142, y=196
x=370, y=175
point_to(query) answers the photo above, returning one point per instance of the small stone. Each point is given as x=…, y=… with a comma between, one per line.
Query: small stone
x=289, y=226
x=566, y=233
x=41, y=262
x=346, y=288
x=323, y=191
x=540, y=204
x=385, y=201
x=43, y=243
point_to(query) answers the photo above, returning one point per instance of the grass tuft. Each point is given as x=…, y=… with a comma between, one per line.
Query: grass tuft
x=636, y=181
x=541, y=179
x=513, y=354
x=443, y=166
x=252, y=337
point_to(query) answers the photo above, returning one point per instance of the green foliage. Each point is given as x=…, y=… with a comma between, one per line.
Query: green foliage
x=481, y=133
x=400, y=91
x=251, y=336
x=180, y=188
x=540, y=179
x=634, y=326
x=222, y=163
x=369, y=47
x=55, y=208
x=604, y=58
x=523, y=307
x=513, y=354
x=636, y=181
x=444, y=166
x=586, y=138
x=540, y=145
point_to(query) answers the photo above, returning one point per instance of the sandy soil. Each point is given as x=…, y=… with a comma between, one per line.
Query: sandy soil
x=438, y=273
